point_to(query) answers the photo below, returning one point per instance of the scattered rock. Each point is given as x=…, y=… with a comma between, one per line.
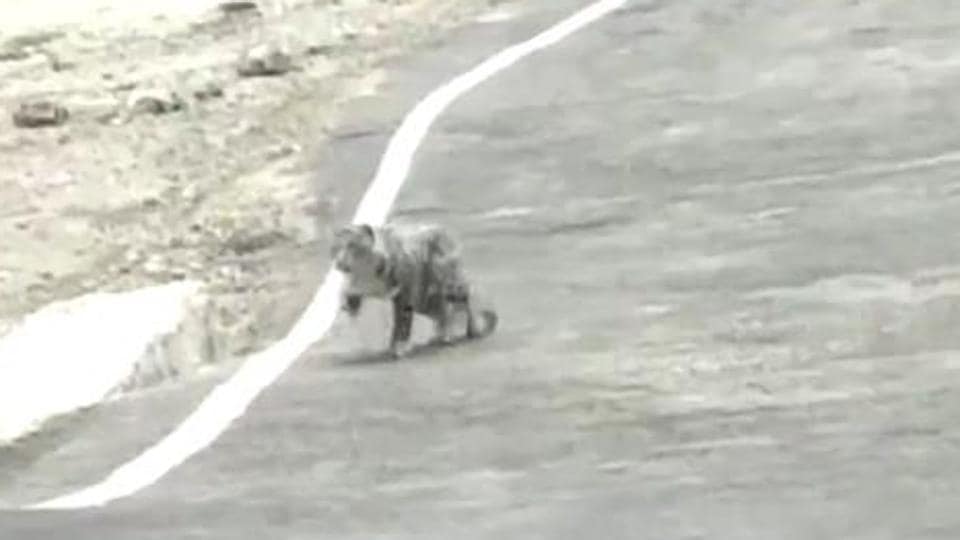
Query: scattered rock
x=55, y=62
x=208, y=90
x=40, y=114
x=122, y=86
x=265, y=60
x=151, y=202
x=62, y=65
x=190, y=193
x=238, y=6
x=247, y=242
x=58, y=179
x=155, y=265
x=346, y=31
x=282, y=150
x=33, y=40
x=13, y=54
x=320, y=49
x=133, y=256
x=154, y=101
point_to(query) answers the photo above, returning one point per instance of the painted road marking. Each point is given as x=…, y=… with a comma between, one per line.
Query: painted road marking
x=230, y=400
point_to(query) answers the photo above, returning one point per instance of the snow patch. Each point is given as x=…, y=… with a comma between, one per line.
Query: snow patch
x=73, y=354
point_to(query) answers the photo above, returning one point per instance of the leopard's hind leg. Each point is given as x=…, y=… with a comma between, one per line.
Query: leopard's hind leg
x=464, y=301
x=490, y=320
x=442, y=318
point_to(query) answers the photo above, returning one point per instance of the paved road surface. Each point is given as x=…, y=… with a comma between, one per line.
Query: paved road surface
x=723, y=239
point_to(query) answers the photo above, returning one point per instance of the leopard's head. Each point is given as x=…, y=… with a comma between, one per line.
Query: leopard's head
x=353, y=249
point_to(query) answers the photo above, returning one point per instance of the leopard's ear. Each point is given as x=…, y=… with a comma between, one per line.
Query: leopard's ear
x=354, y=230
x=366, y=229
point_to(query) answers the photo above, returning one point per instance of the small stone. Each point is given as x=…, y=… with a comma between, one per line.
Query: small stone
x=55, y=62
x=238, y=6
x=281, y=151
x=154, y=265
x=209, y=90
x=190, y=193
x=123, y=86
x=320, y=49
x=13, y=54
x=347, y=31
x=132, y=255
x=265, y=60
x=229, y=273
x=40, y=114
x=246, y=243
x=59, y=179
x=154, y=101
x=151, y=202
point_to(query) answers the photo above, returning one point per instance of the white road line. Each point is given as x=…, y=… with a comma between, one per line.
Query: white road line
x=228, y=401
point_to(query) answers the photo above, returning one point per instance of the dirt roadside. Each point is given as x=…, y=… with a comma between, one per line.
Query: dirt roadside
x=172, y=164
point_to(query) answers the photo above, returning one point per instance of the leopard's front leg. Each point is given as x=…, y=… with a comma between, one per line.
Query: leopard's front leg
x=402, y=325
x=351, y=303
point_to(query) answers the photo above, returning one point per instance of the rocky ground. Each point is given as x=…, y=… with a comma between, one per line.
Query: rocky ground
x=144, y=146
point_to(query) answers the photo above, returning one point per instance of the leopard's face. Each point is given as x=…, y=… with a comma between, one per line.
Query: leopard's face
x=353, y=249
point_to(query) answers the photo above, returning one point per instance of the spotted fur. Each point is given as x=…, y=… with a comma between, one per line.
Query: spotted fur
x=418, y=268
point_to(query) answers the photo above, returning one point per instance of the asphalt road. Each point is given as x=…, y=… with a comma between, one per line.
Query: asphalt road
x=723, y=240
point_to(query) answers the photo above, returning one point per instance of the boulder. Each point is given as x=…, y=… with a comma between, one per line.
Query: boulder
x=154, y=101
x=41, y=113
x=265, y=60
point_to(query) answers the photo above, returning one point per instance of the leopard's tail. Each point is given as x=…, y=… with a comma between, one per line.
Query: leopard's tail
x=486, y=327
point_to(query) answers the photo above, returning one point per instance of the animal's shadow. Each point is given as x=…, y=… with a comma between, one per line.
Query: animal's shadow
x=420, y=351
